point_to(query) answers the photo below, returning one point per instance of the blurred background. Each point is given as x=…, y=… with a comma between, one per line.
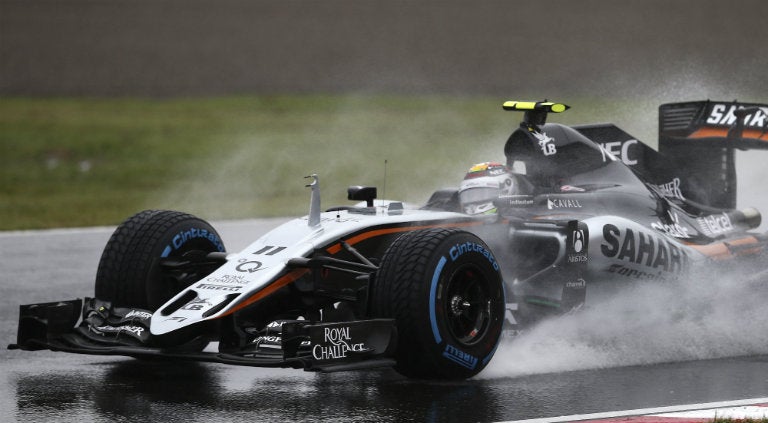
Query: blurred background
x=221, y=107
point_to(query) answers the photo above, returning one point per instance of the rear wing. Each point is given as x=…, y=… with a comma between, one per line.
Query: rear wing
x=713, y=124
x=701, y=137
x=697, y=143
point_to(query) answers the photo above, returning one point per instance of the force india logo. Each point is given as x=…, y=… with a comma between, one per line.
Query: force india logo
x=338, y=343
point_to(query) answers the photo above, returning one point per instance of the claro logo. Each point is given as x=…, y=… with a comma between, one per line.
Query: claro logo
x=642, y=248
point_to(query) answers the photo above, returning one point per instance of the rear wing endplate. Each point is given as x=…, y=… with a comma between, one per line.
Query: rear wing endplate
x=701, y=138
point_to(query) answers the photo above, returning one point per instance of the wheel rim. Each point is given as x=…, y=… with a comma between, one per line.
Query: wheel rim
x=468, y=305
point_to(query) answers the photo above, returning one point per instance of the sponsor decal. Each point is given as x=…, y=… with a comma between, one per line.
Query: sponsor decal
x=139, y=314
x=197, y=304
x=183, y=236
x=636, y=274
x=673, y=229
x=459, y=249
x=723, y=114
x=460, y=357
x=269, y=250
x=546, y=143
x=577, y=258
x=227, y=279
x=516, y=200
x=578, y=243
x=618, y=150
x=715, y=224
x=562, y=203
x=642, y=248
x=571, y=188
x=508, y=315
x=671, y=189
x=136, y=330
x=271, y=341
x=486, y=169
x=337, y=343
x=577, y=284
x=217, y=287
x=248, y=266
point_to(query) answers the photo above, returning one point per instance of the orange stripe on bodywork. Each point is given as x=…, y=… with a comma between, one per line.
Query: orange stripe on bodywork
x=269, y=289
x=378, y=232
x=296, y=274
x=723, y=251
x=723, y=133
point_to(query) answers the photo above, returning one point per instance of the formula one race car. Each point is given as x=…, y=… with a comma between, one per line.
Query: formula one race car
x=575, y=212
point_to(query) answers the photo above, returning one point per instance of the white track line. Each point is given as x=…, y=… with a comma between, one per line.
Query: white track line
x=645, y=411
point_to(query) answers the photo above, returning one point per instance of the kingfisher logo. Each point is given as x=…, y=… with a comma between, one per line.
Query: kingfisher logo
x=724, y=114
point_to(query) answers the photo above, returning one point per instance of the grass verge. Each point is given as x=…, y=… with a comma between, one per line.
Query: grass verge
x=69, y=162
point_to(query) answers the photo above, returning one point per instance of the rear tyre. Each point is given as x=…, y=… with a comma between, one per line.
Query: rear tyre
x=444, y=289
x=130, y=272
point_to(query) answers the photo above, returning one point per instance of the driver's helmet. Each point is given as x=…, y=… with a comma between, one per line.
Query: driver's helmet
x=483, y=183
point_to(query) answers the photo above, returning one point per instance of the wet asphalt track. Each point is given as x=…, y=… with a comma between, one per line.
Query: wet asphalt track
x=46, y=386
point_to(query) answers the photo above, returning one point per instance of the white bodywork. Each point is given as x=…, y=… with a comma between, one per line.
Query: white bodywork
x=257, y=266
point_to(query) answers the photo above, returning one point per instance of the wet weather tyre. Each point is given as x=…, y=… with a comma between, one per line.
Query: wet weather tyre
x=444, y=289
x=130, y=272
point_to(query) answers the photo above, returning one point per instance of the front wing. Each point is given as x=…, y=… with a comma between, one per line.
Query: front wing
x=92, y=326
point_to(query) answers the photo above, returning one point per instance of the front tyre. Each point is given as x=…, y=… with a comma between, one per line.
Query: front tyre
x=130, y=272
x=444, y=289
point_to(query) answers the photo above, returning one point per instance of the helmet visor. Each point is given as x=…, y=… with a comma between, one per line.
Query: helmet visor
x=479, y=194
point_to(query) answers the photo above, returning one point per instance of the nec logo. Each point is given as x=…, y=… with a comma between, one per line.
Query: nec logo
x=723, y=114
x=619, y=150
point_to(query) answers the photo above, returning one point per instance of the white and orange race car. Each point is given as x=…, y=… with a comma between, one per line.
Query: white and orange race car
x=574, y=213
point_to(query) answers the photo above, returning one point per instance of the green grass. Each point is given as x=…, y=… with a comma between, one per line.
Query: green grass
x=82, y=162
